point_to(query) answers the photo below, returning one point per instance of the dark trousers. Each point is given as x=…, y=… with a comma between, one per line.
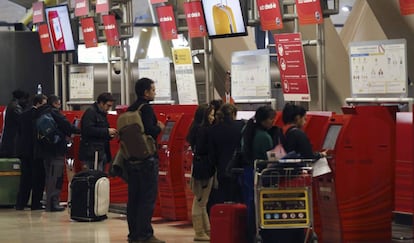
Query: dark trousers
x=54, y=179
x=32, y=179
x=142, y=193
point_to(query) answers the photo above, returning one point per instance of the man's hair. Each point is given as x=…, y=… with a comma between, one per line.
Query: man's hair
x=105, y=97
x=141, y=85
x=38, y=99
x=18, y=94
x=51, y=99
x=291, y=111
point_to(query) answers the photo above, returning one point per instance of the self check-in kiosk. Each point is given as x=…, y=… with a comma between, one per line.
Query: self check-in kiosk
x=171, y=183
x=356, y=199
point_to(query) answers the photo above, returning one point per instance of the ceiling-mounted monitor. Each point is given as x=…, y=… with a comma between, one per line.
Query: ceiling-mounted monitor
x=60, y=29
x=224, y=18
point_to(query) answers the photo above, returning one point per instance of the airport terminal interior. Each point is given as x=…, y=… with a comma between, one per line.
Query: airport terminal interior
x=349, y=63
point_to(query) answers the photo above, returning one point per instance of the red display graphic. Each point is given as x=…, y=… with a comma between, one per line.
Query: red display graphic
x=89, y=32
x=38, y=12
x=407, y=7
x=158, y=1
x=309, y=11
x=81, y=7
x=102, y=6
x=56, y=29
x=270, y=16
x=292, y=67
x=111, y=30
x=167, y=22
x=195, y=19
x=44, y=38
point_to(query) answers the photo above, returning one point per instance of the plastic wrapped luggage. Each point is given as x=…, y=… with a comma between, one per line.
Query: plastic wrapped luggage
x=228, y=223
x=9, y=180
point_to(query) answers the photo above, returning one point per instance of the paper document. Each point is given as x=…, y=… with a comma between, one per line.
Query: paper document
x=321, y=167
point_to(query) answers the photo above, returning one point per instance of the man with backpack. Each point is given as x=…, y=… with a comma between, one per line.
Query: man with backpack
x=96, y=133
x=52, y=128
x=143, y=174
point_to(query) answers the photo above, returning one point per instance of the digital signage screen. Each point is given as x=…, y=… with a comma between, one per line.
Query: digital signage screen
x=224, y=18
x=60, y=29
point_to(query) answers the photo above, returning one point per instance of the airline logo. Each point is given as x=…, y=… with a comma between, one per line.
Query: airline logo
x=194, y=15
x=268, y=6
x=102, y=2
x=166, y=19
x=88, y=30
x=80, y=5
x=44, y=36
x=109, y=27
x=37, y=12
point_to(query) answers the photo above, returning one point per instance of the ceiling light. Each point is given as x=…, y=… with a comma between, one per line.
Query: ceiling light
x=346, y=8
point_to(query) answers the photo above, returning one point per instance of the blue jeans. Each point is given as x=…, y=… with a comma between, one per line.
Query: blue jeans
x=142, y=193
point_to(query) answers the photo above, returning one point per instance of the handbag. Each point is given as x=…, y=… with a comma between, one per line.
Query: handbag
x=202, y=167
x=276, y=153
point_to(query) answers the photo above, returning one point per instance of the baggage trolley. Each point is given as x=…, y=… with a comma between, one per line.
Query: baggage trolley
x=283, y=196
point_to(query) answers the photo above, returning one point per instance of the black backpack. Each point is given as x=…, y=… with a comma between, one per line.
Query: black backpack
x=47, y=129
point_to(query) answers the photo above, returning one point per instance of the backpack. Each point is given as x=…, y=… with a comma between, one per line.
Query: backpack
x=47, y=130
x=135, y=144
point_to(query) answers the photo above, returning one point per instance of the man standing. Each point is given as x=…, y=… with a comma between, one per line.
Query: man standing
x=96, y=133
x=53, y=152
x=32, y=171
x=143, y=175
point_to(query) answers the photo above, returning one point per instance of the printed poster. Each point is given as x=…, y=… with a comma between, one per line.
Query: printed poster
x=38, y=12
x=103, y=6
x=89, y=32
x=81, y=82
x=44, y=38
x=166, y=19
x=407, y=7
x=184, y=74
x=111, y=30
x=195, y=19
x=292, y=67
x=157, y=69
x=81, y=8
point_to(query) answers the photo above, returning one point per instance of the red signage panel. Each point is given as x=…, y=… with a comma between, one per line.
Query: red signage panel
x=103, y=6
x=270, y=16
x=407, y=7
x=89, y=32
x=38, y=12
x=167, y=22
x=44, y=38
x=81, y=7
x=309, y=11
x=111, y=30
x=195, y=19
x=292, y=67
x=158, y=1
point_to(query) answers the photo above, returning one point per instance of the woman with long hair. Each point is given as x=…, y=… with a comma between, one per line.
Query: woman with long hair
x=198, y=139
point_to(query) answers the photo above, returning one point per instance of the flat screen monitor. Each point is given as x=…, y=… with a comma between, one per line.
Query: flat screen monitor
x=224, y=18
x=331, y=137
x=60, y=29
x=169, y=125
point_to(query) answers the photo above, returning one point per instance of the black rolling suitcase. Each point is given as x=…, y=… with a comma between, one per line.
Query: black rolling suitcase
x=89, y=196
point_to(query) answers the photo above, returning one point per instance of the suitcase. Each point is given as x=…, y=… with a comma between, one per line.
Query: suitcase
x=9, y=180
x=88, y=198
x=228, y=223
x=223, y=17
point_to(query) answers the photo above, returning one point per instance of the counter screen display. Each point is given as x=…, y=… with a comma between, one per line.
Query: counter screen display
x=167, y=131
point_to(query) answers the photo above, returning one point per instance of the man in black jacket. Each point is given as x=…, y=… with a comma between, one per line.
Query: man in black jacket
x=96, y=133
x=32, y=172
x=143, y=175
x=53, y=154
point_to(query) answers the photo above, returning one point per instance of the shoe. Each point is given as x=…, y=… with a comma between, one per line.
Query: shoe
x=153, y=239
x=57, y=208
x=19, y=208
x=40, y=207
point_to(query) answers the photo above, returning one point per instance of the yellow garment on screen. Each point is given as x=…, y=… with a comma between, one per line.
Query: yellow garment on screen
x=223, y=17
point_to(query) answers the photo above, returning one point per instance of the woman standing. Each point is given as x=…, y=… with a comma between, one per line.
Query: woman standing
x=198, y=139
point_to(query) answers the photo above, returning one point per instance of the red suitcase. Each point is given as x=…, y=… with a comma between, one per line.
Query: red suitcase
x=228, y=223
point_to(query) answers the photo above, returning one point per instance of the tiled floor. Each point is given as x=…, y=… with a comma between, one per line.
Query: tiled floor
x=45, y=227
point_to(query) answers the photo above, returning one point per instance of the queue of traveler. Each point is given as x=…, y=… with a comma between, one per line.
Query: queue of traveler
x=217, y=135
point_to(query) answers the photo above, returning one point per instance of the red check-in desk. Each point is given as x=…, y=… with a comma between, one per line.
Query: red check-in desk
x=404, y=166
x=171, y=183
x=357, y=198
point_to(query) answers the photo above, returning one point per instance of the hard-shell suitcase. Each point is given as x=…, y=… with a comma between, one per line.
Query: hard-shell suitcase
x=9, y=180
x=89, y=196
x=224, y=22
x=228, y=223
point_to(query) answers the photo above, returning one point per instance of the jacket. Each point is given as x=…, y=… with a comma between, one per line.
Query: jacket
x=94, y=134
x=65, y=129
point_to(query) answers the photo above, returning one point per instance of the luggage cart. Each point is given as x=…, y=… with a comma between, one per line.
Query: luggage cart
x=283, y=196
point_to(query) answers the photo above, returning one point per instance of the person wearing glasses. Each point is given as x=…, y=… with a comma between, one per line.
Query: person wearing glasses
x=96, y=133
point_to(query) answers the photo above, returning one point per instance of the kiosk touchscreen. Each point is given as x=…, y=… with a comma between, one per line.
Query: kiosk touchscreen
x=331, y=137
